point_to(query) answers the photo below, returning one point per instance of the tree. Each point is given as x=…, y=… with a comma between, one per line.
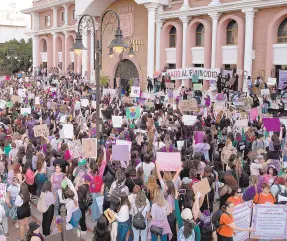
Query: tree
x=16, y=55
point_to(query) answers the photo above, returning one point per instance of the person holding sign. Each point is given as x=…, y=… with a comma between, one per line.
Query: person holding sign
x=227, y=227
x=265, y=197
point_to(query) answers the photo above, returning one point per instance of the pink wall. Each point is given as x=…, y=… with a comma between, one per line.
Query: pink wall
x=42, y=19
x=165, y=44
x=60, y=23
x=71, y=20
x=49, y=40
x=221, y=40
x=60, y=47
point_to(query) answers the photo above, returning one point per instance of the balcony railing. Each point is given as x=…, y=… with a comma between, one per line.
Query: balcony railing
x=41, y=2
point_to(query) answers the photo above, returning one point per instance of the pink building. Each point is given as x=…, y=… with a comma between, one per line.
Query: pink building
x=250, y=35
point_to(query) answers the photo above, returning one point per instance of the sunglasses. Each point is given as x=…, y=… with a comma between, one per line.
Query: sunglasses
x=239, y=192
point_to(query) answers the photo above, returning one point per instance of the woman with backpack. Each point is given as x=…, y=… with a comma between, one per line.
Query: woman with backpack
x=40, y=175
x=187, y=233
x=140, y=209
x=74, y=213
x=226, y=226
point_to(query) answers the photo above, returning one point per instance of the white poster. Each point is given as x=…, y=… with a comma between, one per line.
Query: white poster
x=112, y=92
x=242, y=218
x=37, y=100
x=67, y=131
x=85, y=102
x=189, y=120
x=117, y=121
x=21, y=92
x=2, y=192
x=135, y=92
x=94, y=104
x=179, y=145
x=265, y=92
x=25, y=111
x=187, y=73
x=282, y=79
x=2, y=104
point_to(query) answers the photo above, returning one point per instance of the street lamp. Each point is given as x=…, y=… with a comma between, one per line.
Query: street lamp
x=86, y=24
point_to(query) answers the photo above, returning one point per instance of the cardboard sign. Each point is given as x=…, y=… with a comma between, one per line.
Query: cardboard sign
x=41, y=130
x=269, y=222
x=63, y=109
x=117, y=121
x=89, y=147
x=67, y=131
x=168, y=161
x=272, y=124
x=85, y=102
x=121, y=153
x=203, y=187
x=169, y=85
x=16, y=98
x=135, y=92
x=189, y=120
x=75, y=148
x=150, y=104
x=241, y=123
x=3, y=192
x=25, y=111
x=242, y=218
x=3, y=104
x=187, y=105
x=110, y=215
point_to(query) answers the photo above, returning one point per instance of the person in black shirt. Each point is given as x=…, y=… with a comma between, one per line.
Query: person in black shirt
x=133, y=177
x=61, y=161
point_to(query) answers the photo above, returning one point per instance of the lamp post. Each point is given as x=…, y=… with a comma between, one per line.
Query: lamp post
x=86, y=24
x=131, y=54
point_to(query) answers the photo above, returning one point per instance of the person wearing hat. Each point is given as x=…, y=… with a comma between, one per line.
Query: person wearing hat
x=33, y=233
x=265, y=197
x=187, y=231
x=58, y=221
x=101, y=230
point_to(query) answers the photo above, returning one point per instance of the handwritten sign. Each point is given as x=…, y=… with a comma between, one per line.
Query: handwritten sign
x=75, y=148
x=3, y=104
x=150, y=104
x=63, y=109
x=241, y=123
x=67, y=131
x=271, y=81
x=37, y=100
x=265, y=92
x=135, y=92
x=180, y=144
x=197, y=86
x=2, y=192
x=16, y=98
x=25, y=111
x=112, y=92
x=84, y=102
x=121, y=153
x=117, y=121
x=269, y=222
x=89, y=147
x=41, y=130
x=189, y=120
x=242, y=219
x=168, y=161
x=187, y=105
x=169, y=85
x=203, y=187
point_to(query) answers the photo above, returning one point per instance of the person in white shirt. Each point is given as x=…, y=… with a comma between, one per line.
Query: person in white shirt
x=147, y=166
x=74, y=213
x=256, y=165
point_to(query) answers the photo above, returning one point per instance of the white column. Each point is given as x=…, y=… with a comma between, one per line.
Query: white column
x=185, y=4
x=248, y=52
x=54, y=49
x=35, y=21
x=85, y=55
x=159, y=24
x=55, y=17
x=66, y=7
x=214, y=17
x=185, y=21
x=151, y=38
x=35, y=49
x=66, y=53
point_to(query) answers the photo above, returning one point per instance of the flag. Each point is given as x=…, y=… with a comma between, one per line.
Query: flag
x=133, y=112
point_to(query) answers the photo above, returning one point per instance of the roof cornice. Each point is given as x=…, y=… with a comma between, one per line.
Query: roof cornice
x=45, y=6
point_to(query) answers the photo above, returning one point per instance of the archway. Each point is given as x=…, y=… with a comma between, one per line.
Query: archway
x=125, y=71
x=45, y=54
x=59, y=52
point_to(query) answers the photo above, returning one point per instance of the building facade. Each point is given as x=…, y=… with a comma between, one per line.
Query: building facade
x=250, y=35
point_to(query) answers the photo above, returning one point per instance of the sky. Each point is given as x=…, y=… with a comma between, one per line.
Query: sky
x=19, y=4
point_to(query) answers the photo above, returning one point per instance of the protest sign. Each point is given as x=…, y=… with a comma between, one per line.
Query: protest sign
x=189, y=120
x=21, y=92
x=187, y=105
x=89, y=147
x=202, y=186
x=283, y=121
x=16, y=98
x=25, y=111
x=135, y=92
x=241, y=123
x=117, y=121
x=124, y=143
x=271, y=81
x=269, y=222
x=168, y=161
x=172, y=125
x=180, y=144
x=282, y=79
x=75, y=147
x=3, y=104
x=63, y=109
x=197, y=86
x=149, y=104
x=133, y=112
x=242, y=219
x=63, y=119
x=169, y=85
x=254, y=113
x=67, y=131
x=121, y=152
x=265, y=92
x=3, y=192
x=37, y=100
x=187, y=73
x=110, y=215
x=9, y=104
x=145, y=95
x=198, y=136
x=271, y=124
x=94, y=104
x=41, y=130
x=85, y=102
x=219, y=106
x=112, y=92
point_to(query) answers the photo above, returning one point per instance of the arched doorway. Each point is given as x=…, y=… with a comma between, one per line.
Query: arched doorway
x=125, y=71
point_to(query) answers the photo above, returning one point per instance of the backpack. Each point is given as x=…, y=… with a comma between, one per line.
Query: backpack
x=216, y=219
x=281, y=197
x=96, y=184
x=115, y=195
x=88, y=201
x=42, y=205
x=244, y=179
x=205, y=225
x=139, y=220
x=30, y=178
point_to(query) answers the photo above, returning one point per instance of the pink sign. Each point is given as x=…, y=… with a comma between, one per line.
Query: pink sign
x=272, y=124
x=121, y=153
x=198, y=136
x=254, y=113
x=168, y=161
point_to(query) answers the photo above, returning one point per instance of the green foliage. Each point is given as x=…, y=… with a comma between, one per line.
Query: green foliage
x=14, y=48
x=104, y=80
